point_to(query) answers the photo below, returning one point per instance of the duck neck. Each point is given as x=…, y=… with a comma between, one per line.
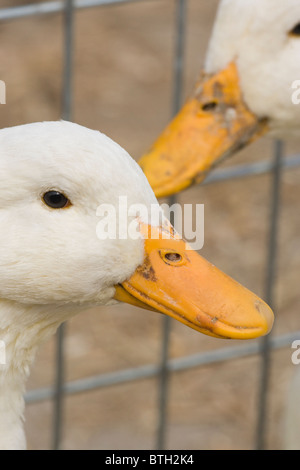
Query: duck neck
x=22, y=329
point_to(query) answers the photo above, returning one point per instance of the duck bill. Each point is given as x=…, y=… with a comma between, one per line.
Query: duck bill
x=212, y=125
x=178, y=282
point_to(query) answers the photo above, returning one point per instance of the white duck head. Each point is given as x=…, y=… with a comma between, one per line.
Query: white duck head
x=57, y=179
x=245, y=91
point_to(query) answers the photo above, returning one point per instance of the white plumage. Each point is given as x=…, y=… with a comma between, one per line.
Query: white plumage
x=257, y=36
x=73, y=268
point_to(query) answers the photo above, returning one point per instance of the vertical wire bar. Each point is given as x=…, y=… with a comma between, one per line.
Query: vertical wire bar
x=68, y=60
x=58, y=389
x=166, y=321
x=269, y=297
x=66, y=115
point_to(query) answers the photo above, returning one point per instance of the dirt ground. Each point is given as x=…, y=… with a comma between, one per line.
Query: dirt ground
x=122, y=86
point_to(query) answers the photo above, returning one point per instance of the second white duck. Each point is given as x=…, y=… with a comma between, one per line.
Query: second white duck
x=245, y=91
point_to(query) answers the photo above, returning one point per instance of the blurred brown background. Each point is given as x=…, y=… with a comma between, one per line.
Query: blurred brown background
x=123, y=86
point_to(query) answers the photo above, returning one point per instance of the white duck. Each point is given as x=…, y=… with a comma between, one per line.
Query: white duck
x=56, y=258
x=245, y=91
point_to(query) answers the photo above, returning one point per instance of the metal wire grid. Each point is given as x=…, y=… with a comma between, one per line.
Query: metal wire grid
x=166, y=366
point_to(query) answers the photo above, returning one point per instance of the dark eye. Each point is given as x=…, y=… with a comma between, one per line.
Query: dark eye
x=56, y=200
x=295, y=31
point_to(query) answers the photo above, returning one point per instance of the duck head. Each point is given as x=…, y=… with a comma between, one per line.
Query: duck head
x=68, y=239
x=245, y=91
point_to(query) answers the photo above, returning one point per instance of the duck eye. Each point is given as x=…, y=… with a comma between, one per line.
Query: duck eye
x=295, y=31
x=56, y=200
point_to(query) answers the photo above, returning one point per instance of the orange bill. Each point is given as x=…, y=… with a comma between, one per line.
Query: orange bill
x=212, y=125
x=178, y=282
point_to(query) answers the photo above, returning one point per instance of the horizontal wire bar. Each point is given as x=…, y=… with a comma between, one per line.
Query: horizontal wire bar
x=174, y=365
x=46, y=8
x=253, y=169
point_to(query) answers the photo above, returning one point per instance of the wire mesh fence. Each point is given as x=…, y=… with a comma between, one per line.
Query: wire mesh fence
x=166, y=366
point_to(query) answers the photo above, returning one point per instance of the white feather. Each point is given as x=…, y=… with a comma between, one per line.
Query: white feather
x=52, y=262
x=255, y=34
